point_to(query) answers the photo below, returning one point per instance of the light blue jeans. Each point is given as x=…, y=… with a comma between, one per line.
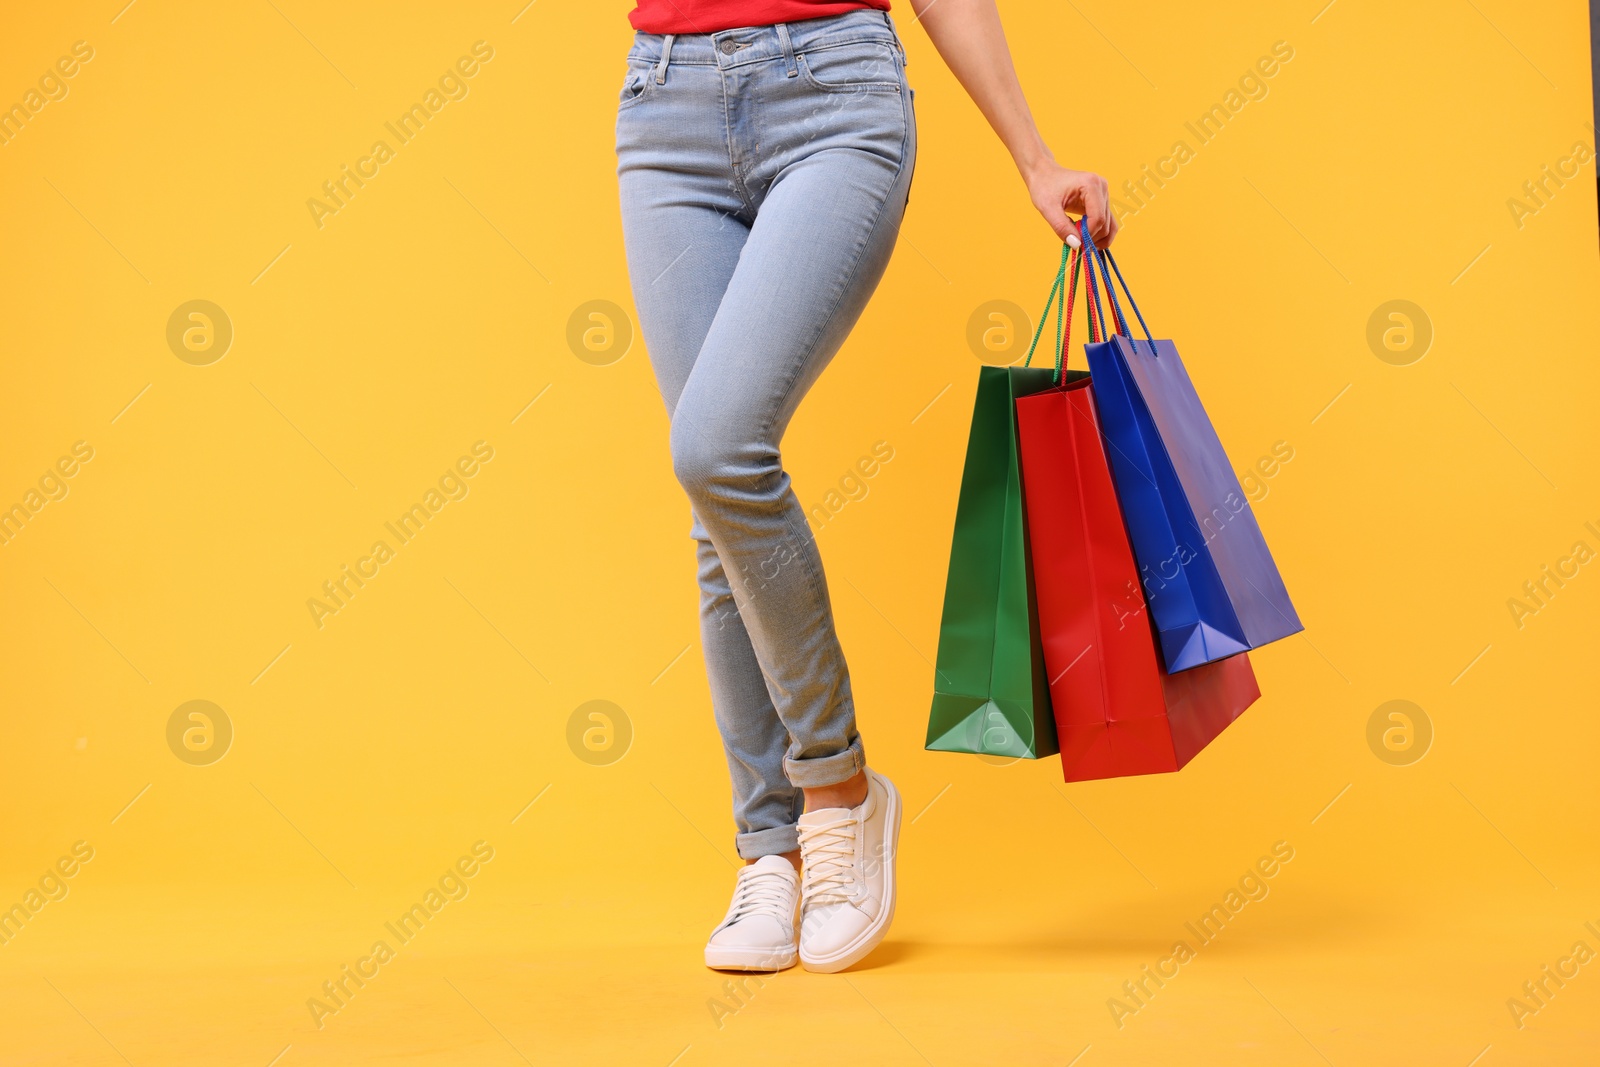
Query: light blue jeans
x=764, y=173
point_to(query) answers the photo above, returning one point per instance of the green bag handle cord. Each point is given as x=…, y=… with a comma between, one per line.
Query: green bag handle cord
x=1055, y=287
x=1063, y=295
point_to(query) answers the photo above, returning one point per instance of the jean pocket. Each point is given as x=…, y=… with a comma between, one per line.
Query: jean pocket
x=859, y=67
x=636, y=86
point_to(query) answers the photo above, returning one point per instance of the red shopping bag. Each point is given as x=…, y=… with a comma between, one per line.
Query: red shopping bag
x=1117, y=712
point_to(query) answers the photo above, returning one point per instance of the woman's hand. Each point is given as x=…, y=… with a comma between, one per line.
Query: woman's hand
x=1056, y=190
x=968, y=35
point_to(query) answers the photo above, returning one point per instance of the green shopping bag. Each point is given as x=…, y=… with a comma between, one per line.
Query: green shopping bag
x=991, y=696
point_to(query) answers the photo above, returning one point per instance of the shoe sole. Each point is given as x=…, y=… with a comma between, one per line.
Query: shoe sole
x=743, y=958
x=872, y=936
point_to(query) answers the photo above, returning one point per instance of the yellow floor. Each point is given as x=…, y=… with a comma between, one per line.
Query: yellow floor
x=1001, y=959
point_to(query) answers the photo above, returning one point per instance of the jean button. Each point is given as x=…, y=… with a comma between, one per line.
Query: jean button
x=728, y=48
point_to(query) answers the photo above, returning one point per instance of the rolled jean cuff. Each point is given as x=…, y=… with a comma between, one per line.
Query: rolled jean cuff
x=773, y=841
x=826, y=770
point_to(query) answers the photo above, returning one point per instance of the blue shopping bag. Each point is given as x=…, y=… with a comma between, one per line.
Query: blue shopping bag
x=1212, y=587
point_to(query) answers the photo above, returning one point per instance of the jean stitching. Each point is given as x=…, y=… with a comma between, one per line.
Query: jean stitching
x=736, y=179
x=853, y=753
x=844, y=88
x=801, y=49
x=638, y=98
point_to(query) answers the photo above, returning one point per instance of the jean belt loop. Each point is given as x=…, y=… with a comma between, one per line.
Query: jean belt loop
x=789, y=68
x=899, y=44
x=666, y=51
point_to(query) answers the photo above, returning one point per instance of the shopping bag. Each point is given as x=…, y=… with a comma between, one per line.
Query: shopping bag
x=1116, y=711
x=1212, y=586
x=990, y=695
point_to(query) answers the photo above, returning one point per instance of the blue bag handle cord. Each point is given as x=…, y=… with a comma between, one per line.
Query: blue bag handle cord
x=1093, y=293
x=1102, y=256
x=1131, y=303
x=1096, y=257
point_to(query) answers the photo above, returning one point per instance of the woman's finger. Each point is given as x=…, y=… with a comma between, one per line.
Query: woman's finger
x=1101, y=222
x=1058, y=220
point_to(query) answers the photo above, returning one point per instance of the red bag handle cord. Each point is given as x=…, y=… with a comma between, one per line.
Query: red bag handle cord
x=1071, y=301
x=1063, y=297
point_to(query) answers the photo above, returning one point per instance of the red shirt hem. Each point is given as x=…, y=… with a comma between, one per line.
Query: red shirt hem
x=710, y=16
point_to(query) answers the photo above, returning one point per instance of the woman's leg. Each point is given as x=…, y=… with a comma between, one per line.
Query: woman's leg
x=828, y=173
x=766, y=804
x=828, y=169
x=814, y=152
x=685, y=228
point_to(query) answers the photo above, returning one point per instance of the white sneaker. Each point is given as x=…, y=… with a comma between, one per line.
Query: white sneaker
x=757, y=934
x=847, y=901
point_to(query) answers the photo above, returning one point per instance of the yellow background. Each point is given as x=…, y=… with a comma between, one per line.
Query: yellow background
x=370, y=753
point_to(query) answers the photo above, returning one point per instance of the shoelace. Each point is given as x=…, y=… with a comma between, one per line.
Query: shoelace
x=828, y=852
x=760, y=893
